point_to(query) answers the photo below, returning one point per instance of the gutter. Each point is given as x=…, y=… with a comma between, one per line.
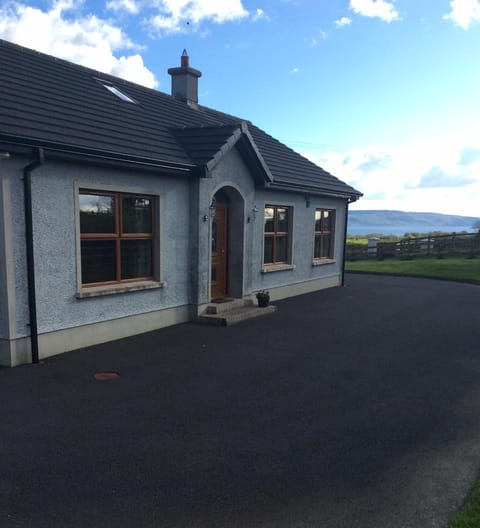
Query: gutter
x=67, y=152
x=32, y=298
x=350, y=197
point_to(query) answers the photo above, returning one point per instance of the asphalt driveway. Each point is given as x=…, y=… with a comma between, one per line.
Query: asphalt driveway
x=351, y=407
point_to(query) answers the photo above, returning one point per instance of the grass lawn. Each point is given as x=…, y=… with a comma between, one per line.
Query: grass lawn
x=469, y=515
x=361, y=241
x=452, y=268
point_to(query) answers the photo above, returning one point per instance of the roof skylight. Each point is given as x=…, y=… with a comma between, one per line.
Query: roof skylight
x=111, y=88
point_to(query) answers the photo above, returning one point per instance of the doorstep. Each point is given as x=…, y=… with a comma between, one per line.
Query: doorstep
x=232, y=311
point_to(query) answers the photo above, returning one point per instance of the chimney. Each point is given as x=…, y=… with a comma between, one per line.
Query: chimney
x=185, y=81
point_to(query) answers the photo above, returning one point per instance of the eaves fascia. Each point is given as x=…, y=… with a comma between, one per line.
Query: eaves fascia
x=242, y=134
x=69, y=152
x=224, y=149
x=258, y=155
x=351, y=197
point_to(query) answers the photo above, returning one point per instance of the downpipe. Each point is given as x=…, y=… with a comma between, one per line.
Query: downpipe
x=344, y=243
x=32, y=298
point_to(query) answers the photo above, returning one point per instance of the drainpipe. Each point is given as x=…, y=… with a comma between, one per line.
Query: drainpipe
x=344, y=243
x=32, y=299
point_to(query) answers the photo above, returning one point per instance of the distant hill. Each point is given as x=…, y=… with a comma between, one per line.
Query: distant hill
x=399, y=222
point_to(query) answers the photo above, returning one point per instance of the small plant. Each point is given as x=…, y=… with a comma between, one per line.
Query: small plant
x=263, y=298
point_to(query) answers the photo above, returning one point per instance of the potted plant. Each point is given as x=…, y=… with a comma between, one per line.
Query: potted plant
x=263, y=298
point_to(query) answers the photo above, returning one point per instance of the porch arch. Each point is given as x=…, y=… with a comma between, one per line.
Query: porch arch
x=233, y=199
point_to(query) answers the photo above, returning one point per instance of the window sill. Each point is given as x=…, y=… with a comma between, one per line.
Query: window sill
x=277, y=267
x=112, y=289
x=322, y=261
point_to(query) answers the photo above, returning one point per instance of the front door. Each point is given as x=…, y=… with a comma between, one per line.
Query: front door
x=219, y=252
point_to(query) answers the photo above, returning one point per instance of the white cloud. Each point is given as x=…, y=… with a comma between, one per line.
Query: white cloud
x=133, y=69
x=295, y=70
x=375, y=8
x=464, y=12
x=174, y=15
x=314, y=41
x=342, y=22
x=130, y=6
x=438, y=177
x=63, y=32
x=469, y=155
x=260, y=15
x=426, y=175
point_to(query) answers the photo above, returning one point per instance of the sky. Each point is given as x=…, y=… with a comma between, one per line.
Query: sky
x=384, y=94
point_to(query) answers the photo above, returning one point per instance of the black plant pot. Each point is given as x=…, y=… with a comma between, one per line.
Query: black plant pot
x=263, y=302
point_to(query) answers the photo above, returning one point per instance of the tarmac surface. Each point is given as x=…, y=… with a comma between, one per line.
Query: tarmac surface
x=350, y=407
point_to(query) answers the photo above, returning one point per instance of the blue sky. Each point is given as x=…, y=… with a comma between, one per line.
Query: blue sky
x=384, y=94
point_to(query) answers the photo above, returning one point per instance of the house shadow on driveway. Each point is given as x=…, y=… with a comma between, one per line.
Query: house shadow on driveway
x=354, y=406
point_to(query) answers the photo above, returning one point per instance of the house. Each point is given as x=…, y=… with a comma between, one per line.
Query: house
x=123, y=209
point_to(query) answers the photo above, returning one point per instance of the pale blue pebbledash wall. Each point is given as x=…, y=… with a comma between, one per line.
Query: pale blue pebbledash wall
x=232, y=172
x=13, y=277
x=4, y=327
x=184, y=263
x=304, y=269
x=55, y=191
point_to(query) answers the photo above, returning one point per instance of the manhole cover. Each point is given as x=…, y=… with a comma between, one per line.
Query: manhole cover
x=105, y=376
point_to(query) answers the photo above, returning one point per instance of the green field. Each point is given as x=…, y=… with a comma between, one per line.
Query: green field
x=469, y=515
x=450, y=268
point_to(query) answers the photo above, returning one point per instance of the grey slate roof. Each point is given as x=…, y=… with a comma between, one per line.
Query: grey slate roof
x=202, y=143
x=58, y=105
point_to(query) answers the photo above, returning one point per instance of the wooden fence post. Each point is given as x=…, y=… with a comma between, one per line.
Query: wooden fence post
x=372, y=247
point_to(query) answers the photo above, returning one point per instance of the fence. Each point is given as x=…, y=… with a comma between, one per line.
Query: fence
x=466, y=244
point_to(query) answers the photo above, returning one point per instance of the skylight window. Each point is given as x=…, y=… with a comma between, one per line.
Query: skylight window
x=111, y=88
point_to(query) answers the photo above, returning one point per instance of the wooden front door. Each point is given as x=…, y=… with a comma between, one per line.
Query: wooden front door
x=219, y=252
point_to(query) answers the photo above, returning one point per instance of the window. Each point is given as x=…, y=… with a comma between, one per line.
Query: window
x=116, y=91
x=116, y=237
x=324, y=233
x=277, y=235
x=119, y=94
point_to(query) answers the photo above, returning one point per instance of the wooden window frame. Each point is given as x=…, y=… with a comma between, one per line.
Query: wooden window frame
x=278, y=234
x=118, y=236
x=322, y=233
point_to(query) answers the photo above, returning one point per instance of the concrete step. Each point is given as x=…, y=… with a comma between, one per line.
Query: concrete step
x=228, y=305
x=236, y=315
